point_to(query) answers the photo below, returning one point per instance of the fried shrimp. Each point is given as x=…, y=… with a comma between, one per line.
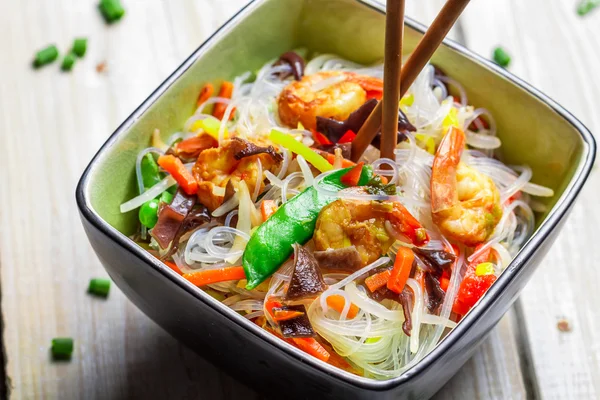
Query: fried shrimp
x=330, y=94
x=346, y=223
x=465, y=203
x=219, y=170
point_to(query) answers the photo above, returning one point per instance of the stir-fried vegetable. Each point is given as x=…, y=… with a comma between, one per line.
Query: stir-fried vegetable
x=294, y=222
x=296, y=147
x=402, y=267
x=175, y=167
x=208, y=276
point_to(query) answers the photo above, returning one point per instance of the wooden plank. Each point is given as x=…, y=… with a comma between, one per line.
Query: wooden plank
x=52, y=124
x=558, y=52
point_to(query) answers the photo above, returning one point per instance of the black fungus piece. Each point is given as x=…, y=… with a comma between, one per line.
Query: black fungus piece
x=171, y=217
x=346, y=259
x=307, y=279
x=298, y=327
x=436, y=260
x=295, y=61
x=243, y=148
x=435, y=294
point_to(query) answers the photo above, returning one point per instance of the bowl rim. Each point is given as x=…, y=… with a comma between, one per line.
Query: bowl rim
x=510, y=274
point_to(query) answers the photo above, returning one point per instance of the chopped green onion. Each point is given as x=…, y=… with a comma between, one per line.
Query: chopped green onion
x=112, y=10
x=45, y=56
x=586, y=6
x=501, y=57
x=99, y=287
x=79, y=47
x=68, y=62
x=62, y=348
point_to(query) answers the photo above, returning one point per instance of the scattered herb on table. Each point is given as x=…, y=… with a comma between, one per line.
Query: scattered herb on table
x=68, y=62
x=586, y=6
x=111, y=10
x=99, y=287
x=62, y=348
x=45, y=56
x=501, y=57
x=79, y=47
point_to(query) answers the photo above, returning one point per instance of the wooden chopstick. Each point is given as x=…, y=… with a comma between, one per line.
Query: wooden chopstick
x=417, y=60
x=394, y=28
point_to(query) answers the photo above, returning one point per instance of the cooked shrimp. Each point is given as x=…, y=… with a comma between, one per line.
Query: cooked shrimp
x=330, y=94
x=465, y=203
x=219, y=170
x=346, y=223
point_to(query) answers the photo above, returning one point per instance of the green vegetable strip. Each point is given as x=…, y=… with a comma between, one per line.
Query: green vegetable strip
x=68, y=62
x=293, y=222
x=99, y=287
x=111, y=10
x=501, y=57
x=45, y=56
x=295, y=146
x=62, y=348
x=148, y=213
x=150, y=172
x=586, y=6
x=80, y=47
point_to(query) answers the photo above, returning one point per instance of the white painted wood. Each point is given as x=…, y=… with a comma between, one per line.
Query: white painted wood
x=558, y=52
x=51, y=123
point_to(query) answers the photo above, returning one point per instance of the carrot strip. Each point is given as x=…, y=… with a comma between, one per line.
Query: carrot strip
x=338, y=302
x=225, y=91
x=205, y=93
x=268, y=208
x=378, y=280
x=345, y=162
x=312, y=347
x=208, y=276
x=173, y=266
x=175, y=167
x=284, y=315
x=401, y=272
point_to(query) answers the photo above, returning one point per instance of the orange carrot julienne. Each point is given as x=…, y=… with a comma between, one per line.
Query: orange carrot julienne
x=205, y=93
x=268, y=208
x=378, y=280
x=312, y=347
x=345, y=162
x=173, y=266
x=401, y=272
x=284, y=315
x=175, y=167
x=225, y=91
x=338, y=302
x=208, y=276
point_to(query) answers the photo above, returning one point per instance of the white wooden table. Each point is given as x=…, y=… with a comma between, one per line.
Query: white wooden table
x=51, y=123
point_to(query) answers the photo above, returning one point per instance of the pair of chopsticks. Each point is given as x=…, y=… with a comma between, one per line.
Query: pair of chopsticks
x=397, y=79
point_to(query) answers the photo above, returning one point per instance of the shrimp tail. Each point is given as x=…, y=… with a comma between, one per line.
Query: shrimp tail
x=444, y=194
x=403, y=221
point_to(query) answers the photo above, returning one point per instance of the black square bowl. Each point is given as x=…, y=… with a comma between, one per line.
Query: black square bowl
x=534, y=130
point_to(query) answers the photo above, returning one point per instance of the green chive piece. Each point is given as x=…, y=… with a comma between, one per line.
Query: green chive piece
x=68, y=62
x=586, y=6
x=501, y=57
x=112, y=10
x=62, y=348
x=79, y=47
x=99, y=287
x=45, y=56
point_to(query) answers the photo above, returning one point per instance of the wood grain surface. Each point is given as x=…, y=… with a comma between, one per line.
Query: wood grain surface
x=51, y=124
